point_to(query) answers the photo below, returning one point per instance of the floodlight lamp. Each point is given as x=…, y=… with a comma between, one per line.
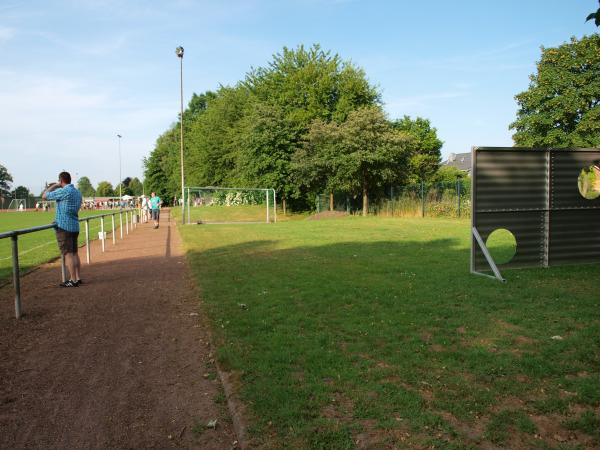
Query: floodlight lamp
x=119, y=136
x=179, y=52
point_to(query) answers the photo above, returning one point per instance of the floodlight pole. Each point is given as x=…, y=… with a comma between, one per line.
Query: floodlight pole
x=120, y=176
x=179, y=53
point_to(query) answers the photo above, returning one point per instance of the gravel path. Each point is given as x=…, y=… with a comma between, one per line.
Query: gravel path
x=123, y=361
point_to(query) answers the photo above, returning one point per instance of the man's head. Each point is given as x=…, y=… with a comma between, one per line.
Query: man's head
x=64, y=178
x=153, y=194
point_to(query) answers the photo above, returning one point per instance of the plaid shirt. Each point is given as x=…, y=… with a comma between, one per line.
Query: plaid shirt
x=68, y=202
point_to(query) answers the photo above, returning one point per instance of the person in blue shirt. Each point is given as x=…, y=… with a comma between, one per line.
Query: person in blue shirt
x=155, y=203
x=68, y=202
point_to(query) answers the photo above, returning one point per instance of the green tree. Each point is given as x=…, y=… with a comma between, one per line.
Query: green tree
x=449, y=174
x=136, y=187
x=5, y=182
x=21, y=192
x=561, y=108
x=85, y=187
x=104, y=189
x=359, y=156
x=425, y=155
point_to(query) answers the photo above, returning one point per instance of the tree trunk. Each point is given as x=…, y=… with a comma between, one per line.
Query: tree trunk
x=331, y=201
x=283, y=205
x=365, y=201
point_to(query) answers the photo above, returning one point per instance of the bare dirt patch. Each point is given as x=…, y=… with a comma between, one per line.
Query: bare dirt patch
x=115, y=363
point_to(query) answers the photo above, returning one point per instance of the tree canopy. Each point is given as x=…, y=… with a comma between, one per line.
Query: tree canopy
x=104, y=189
x=5, y=181
x=561, y=108
x=85, y=187
x=255, y=134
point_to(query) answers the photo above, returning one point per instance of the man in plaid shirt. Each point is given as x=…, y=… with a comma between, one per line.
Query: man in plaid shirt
x=68, y=202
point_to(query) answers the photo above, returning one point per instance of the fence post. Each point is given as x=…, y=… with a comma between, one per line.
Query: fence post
x=422, y=198
x=127, y=222
x=114, y=239
x=275, y=205
x=267, y=194
x=458, y=196
x=392, y=198
x=102, y=231
x=87, y=240
x=317, y=202
x=63, y=268
x=16, y=281
x=121, y=223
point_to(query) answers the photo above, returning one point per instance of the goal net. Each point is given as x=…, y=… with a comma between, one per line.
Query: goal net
x=206, y=205
x=17, y=204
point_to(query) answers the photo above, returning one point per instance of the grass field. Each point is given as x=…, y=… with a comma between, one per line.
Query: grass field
x=371, y=333
x=237, y=213
x=37, y=248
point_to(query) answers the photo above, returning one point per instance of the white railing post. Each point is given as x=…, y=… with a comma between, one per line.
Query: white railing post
x=114, y=239
x=87, y=240
x=102, y=232
x=121, y=223
x=267, y=194
x=127, y=222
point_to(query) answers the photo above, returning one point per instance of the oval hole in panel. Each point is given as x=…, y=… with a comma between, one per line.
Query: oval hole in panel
x=588, y=182
x=502, y=245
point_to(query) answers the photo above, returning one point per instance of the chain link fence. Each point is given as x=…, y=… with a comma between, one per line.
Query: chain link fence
x=413, y=200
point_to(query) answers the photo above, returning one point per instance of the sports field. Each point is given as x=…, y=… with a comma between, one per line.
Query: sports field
x=371, y=333
x=40, y=247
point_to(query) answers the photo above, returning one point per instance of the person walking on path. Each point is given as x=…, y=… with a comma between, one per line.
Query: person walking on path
x=155, y=204
x=68, y=202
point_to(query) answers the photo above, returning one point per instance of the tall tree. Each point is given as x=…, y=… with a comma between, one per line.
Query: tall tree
x=425, y=155
x=5, y=181
x=104, y=189
x=21, y=192
x=359, y=156
x=136, y=187
x=85, y=187
x=561, y=108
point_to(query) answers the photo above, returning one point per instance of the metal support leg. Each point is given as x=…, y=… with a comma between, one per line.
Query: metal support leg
x=16, y=280
x=488, y=257
x=87, y=240
x=63, y=269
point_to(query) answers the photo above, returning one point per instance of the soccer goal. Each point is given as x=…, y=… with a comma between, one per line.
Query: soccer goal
x=212, y=205
x=17, y=204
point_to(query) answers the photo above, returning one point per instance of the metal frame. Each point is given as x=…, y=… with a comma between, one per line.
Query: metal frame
x=534, y=192
x=14, y=237
x=266, y=190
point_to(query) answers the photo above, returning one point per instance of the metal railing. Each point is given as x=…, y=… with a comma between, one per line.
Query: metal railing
x=130, y=224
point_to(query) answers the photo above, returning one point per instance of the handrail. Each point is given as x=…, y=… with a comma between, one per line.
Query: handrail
x=12, y=233
x=14, y=236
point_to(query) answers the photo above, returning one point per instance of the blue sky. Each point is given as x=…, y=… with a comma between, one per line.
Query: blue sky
x=74, y=73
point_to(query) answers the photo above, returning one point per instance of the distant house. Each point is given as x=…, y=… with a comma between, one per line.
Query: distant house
x=462, y=161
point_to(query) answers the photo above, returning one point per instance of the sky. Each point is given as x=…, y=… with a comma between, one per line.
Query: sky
x=75, y=73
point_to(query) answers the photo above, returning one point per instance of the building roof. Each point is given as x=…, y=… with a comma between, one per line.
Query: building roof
x=461, y=161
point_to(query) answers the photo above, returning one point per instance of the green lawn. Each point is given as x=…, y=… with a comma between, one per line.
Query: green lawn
x=40, y=247
x=371, y=333
x=236, y=213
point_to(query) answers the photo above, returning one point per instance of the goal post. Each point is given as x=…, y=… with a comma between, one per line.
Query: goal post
x=229, y=205
x=17, y=204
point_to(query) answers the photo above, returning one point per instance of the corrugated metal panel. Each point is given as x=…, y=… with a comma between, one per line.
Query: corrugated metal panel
x=533, y=193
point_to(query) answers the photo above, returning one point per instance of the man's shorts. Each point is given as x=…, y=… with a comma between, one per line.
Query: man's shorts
x=67, y=241
x=155, y=214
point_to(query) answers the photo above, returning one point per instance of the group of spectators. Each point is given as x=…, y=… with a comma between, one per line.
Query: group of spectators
x=109, y=204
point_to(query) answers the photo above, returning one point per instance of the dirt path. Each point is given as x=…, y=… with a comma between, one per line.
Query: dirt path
x=122, y=361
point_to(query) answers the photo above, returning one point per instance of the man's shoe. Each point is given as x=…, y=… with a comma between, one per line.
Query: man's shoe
x=78, y=282
x=69, y=283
